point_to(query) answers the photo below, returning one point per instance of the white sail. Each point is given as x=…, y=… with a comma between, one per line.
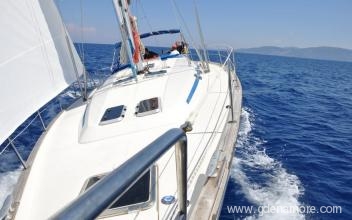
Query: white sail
x=37, y=59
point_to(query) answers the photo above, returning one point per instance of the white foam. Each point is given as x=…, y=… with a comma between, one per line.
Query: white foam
x=246, y=125
x=279, y=188
x=70, y=93
x=7, y=183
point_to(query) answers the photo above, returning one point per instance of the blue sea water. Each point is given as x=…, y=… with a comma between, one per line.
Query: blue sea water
x=295, y=139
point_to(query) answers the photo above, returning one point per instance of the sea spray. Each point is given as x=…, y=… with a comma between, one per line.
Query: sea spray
x=272, y=185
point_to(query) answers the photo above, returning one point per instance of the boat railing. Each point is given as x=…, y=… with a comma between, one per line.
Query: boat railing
x=218, y=53
x=223, y=54
x=10, y=143
x=112, y=187
x=37, y=119
x=11, y=140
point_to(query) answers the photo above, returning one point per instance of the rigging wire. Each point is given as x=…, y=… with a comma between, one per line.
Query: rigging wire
x=203, y=46
x=148, y=22
x=82, y=51
x=64, y=30
x=85, y=96
x=178, y=12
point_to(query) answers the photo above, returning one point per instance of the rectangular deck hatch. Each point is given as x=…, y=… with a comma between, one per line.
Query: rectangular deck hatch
x=148, y=107
x=113, y=114
x=139, y=196
x=138, y=193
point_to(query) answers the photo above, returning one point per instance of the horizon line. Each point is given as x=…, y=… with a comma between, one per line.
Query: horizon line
x=239, y=48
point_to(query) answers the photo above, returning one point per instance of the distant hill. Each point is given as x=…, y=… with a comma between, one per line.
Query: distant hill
x=321, y=53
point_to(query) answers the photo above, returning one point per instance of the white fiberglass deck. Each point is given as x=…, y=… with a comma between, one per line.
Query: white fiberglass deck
x=74, y=149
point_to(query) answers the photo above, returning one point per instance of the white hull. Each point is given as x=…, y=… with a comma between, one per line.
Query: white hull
x=77, y=147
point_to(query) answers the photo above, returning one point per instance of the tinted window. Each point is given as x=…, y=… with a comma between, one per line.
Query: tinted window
x=138, y=193
x=113, y=114
x=148, y=106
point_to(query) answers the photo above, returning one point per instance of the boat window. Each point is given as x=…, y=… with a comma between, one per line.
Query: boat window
x=139, y=197
x=148, y=107
x=113, y=114
x=138, y=193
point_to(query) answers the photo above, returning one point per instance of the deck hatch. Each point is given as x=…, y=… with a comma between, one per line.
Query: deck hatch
x=139, y=197
x=148, y=107
x=113, y=114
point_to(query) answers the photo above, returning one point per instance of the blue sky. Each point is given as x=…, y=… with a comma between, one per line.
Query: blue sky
x=242, y=24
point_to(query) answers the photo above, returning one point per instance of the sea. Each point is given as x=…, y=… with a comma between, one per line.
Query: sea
x=293, y=156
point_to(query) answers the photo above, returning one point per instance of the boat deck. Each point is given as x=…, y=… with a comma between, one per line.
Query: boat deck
x=76, y=147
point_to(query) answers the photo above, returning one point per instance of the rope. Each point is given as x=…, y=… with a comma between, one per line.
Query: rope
x=25, y=128
x=3, y=150
x=206, y=58
x=148, y=23
x=82, y=35
x=178, y=12
x=70, y=53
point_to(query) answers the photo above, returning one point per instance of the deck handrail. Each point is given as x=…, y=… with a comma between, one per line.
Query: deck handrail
x=222, y=48
x=224, y=53
x=110, y=188
x=10, y=142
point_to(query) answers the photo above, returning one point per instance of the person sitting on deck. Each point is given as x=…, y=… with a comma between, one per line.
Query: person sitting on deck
x=181, y=47
x=174, y=50
x=184, y=48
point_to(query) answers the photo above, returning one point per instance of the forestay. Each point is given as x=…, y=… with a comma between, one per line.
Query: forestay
x=37, y=59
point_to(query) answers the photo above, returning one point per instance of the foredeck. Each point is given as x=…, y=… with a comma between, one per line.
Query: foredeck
x=69, y=155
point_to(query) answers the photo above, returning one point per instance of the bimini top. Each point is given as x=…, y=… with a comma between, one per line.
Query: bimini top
x=116, y=66
x=154, y=33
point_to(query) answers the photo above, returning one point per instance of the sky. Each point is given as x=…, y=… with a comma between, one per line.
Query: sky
x=239, y=23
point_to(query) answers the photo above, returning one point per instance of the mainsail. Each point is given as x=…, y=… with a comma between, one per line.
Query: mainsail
x=37, y=60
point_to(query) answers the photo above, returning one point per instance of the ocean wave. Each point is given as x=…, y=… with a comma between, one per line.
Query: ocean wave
x=263, y=180
x=71, y=94
x=7, y=184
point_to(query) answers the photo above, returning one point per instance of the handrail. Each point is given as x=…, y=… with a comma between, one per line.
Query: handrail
x=227, y=65
x=224, y=54
x=229, y=80
x=228, y=57
x=33, y=119
x=11, y=140
x=109, y=189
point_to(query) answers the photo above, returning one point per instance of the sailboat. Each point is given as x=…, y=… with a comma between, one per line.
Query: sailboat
x=154, y=141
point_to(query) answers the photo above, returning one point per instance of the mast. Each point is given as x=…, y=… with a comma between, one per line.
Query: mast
x=128, y=29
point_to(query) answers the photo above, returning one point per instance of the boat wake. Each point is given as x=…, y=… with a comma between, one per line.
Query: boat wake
x=7, y=183
x=262, y=179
